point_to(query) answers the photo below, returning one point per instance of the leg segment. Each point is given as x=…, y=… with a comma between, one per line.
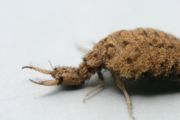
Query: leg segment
x=121, y=86
x=96, y=89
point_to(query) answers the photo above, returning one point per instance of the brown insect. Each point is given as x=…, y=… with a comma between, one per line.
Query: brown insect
x=128, y=55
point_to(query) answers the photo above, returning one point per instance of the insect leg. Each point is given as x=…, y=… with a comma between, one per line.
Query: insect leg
x=98, y=88
x=121, y=86
x=82, y=49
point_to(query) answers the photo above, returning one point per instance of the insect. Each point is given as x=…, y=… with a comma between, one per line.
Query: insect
x=129, y=55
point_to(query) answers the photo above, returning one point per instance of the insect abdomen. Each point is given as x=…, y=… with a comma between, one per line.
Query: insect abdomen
x=144, y=50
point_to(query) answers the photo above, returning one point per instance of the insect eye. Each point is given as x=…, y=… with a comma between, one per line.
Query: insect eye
x=55, y=68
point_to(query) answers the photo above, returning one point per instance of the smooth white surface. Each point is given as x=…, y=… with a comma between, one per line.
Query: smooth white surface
x=35, y=31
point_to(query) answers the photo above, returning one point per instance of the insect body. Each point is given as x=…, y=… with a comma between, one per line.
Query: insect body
x=128, y=55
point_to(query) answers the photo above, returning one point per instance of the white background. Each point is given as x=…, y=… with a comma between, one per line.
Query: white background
x=35, y=31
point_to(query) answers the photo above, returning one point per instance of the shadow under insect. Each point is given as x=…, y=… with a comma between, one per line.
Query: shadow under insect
x=148, y=86
x=152, y=87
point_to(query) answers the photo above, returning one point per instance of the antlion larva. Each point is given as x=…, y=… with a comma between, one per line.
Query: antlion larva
x=128, y=55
